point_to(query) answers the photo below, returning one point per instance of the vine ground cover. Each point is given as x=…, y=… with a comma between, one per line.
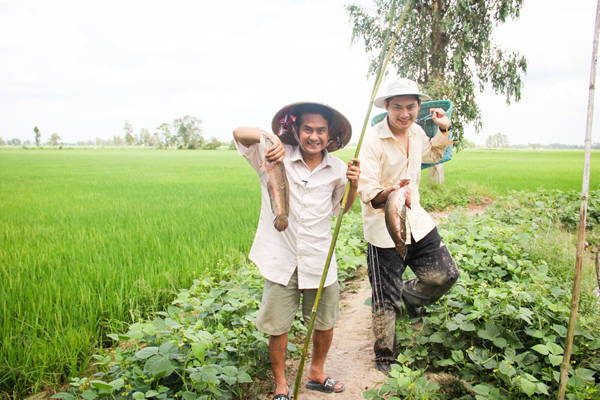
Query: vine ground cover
x=502, y=327
x=205, y=345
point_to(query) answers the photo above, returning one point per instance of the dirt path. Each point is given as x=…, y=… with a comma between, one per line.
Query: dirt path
x=350, y=357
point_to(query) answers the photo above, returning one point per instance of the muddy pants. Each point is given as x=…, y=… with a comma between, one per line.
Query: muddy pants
x=435, y=272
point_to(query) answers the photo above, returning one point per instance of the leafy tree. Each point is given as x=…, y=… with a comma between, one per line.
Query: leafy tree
x=128, y=129
x=447, y=47
x=156, y=140
x=37, y=135
x=212, y=144
x=2, y=142
x=14, y=142
x=496, y=141
x=188, y=131
x=166, y=135
x=469, y=144
x=54, y=139
x=145, y=138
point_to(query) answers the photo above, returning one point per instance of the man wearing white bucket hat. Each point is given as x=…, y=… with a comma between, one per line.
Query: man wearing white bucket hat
x=393, y=151
x=291, y=259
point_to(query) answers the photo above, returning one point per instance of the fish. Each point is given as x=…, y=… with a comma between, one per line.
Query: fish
x=395, y=216
x=278, y=188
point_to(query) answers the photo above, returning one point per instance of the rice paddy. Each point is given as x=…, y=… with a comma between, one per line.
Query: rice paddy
x=92, y=239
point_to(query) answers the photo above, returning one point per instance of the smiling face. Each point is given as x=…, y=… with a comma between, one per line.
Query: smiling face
x=313, y=132
x=402, y=112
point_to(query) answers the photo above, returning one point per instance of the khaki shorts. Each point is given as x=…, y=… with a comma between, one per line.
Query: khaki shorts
x=280, y=305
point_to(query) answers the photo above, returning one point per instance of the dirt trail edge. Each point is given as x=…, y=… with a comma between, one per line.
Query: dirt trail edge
x=350, y=359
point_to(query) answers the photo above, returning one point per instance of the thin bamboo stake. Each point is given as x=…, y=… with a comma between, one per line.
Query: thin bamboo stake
x=338, y=223
x=597, y=264
x=564, y=366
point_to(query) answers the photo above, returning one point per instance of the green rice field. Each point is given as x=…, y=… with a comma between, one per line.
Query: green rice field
x=92, y=239
x=89, y=238
x=506, y=170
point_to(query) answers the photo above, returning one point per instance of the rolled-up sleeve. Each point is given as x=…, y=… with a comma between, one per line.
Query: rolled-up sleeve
x=369, y=183
x=433, y=149
x=254, y=153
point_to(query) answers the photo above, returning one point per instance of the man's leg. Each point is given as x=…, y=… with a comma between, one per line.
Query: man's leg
x=385, y=268
x=321, y=343
x=435, y=272
x=327, y=315
x=277, y=351
x=277, y=310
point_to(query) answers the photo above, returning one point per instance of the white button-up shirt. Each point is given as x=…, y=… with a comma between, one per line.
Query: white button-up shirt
x=315, y=197
x=384, y=163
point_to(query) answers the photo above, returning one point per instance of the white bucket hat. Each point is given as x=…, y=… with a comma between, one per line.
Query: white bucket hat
x=401, y=87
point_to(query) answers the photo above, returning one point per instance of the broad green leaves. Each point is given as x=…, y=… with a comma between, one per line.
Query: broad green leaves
x=205, y=345
x=502, y=325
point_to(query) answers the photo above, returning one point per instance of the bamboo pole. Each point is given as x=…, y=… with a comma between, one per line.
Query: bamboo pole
x=564, y=366
x=597, y=265
x=338, y=223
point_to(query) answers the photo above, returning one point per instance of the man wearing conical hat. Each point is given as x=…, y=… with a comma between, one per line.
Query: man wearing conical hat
x=392, y=153
x=291, y=253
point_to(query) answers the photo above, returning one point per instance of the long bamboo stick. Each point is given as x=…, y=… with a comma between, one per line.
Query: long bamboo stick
x=564, y=366
x=343, y=205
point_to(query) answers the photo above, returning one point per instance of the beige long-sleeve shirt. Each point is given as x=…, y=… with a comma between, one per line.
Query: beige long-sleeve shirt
x=384, y=163
x=315, y=198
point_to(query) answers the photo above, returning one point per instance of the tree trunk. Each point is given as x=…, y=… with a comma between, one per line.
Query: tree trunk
x=438, y=41
x=436, y=174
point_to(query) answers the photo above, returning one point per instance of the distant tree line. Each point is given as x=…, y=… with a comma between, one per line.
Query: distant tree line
x=498, y=141
x=181, y=133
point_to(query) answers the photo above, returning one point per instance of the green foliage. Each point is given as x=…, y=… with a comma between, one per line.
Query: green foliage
x=496, y=141
x=54, y=139
x=502, y=326
x=561, y=207
x=447, y=46
x=188, y=132
x=37, y=136
x=350, y=246
x=435, y=197
x=505, y=170
x=205, y=346
x=405, y=383
x=494, y=172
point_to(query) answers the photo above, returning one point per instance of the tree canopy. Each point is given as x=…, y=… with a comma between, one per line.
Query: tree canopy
x=37, y=135
x=54, y=139
x=447, y=47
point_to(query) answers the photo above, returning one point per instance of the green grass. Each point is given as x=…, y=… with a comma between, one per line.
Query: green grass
x=88, y=238
x=501, y=171
x=506, y=170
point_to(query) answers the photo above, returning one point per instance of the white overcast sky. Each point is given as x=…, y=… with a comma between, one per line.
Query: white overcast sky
x=81, y=69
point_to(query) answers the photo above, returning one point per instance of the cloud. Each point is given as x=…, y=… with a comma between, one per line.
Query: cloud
x=82, y=69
